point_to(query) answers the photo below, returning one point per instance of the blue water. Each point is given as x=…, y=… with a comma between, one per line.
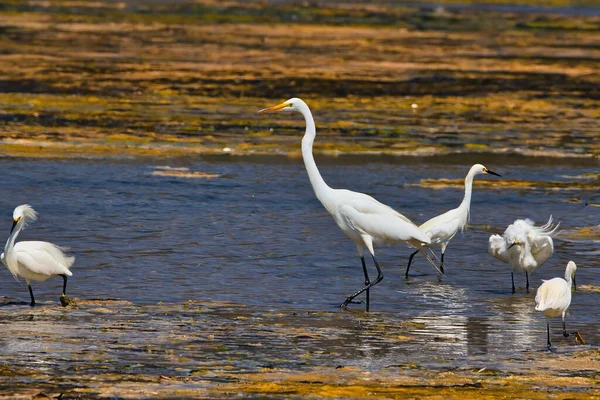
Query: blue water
x=258, y=236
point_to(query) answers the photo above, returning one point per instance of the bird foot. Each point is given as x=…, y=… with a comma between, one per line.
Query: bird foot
x=578, y=338
x=67, y=301
x=345, y=304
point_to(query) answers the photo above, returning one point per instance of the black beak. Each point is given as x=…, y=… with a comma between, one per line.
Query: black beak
x=13, y=227
x=493, y=173
x=514, y=244
x=574, y=283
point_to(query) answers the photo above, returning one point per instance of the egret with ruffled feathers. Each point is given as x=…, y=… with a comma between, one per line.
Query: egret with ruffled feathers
x=524, y=246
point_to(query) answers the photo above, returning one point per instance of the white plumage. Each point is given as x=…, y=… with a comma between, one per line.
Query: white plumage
x=362, y=218
x=34, y=260
x=524, y=246
x=553, y=298
x=441, y=229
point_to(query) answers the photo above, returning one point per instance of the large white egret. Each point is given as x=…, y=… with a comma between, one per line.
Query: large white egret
x=553, y=299
x=362, y=218
x=524, y=246
x=441, y=229
x=35, y=260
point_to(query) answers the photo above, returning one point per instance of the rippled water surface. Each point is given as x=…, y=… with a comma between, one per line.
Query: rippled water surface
x=256, y=237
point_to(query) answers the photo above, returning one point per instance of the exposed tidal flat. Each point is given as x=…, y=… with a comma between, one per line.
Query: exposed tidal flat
x=114, y=79
x=201, y=274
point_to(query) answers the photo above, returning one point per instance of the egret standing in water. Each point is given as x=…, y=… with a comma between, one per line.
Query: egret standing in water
x=34, y=260
x=553, y=299
x=524, y=246
x=441, y=229
x=362, y=218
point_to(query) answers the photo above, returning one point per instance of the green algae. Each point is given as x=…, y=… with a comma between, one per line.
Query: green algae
x=129, y=84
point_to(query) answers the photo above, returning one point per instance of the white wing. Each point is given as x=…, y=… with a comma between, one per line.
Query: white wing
x=553, y=294
x=367, y=204
x=370, y=217
x=542, y=249
x=43, y=258
x=497, y=248
x=443, y=227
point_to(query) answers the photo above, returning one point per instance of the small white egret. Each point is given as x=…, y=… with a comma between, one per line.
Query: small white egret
x=523, y=246
x=553, y=299
x=35, y=260
x=363, y=219
x=441, y=229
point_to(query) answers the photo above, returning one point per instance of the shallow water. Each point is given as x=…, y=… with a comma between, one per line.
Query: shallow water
x=257, y=236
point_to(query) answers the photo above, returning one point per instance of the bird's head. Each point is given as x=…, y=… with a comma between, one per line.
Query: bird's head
x=24, y=213
x=481, y=169
x=516, y=242
x=293, y=104
x=570, y=273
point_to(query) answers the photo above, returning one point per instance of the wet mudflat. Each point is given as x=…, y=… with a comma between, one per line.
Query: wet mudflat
x=131, y=78
x=203, y=274
x=221, y=276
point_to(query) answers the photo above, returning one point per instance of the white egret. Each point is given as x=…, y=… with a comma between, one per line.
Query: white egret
x=35, y=260
x=553, y=299
x=523, y=246
x=441, y=229
x=363, y=219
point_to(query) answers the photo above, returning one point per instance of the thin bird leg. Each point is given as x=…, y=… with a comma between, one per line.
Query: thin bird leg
x=548, y=327
x=32, y=304
x=527, y=277
x=367, y=281
x=512, y=276
x=64, y=292
x=367, y=287
x=442, y=264
x=409, y=262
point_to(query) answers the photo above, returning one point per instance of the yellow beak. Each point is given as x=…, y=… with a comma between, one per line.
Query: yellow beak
x=273, y=109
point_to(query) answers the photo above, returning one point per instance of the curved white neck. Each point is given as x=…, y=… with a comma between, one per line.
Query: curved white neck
x=465, y=205
x=316, y=180
x=569, y=277
x=9, y=253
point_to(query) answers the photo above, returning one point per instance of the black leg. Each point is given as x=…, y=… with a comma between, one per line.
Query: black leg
x=64, y=292
x=367, y=287
x=548, y=328
x=527, y=277
x=409, y=262
x=367, y=281
x=32, y=304
x=512, y=276
x=565, y=334
x=442, y=264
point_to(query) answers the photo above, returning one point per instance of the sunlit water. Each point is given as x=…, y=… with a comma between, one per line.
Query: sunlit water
x=258, y=237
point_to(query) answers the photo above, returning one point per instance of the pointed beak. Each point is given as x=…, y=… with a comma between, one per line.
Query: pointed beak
x=14, y=224
x=493, y=173
x=514, y=244
x=273, y=109
x=574, y=283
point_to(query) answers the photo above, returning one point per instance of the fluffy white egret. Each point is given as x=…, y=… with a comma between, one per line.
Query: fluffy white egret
x=524, y=246
x=362, y=218
x=441, y=229
x=35, y=260
x=553, y=299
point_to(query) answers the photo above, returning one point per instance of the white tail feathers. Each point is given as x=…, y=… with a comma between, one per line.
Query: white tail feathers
x=548, y=229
